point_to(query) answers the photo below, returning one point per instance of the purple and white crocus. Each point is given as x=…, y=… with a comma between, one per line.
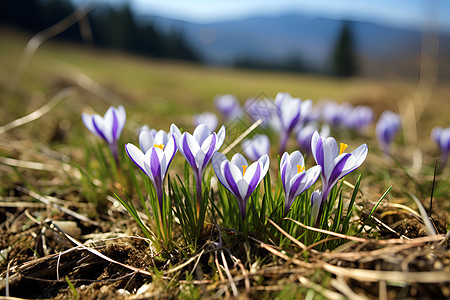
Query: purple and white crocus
x=108, y=127
x=198, y=149
x=228, y=106
x=154, y=163
x=441, y=136
x=240, y=178
x=289, y=113
x=149, y=138
x=305, y=132
x=207, y=118
x=295, y=178
x=256, y=147
x=334, y=162
x=386, y=128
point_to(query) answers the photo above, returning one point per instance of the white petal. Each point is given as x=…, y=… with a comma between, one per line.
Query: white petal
x=121, y=118
x=239, y=160
x=250, y=171
x=102, y=127
x=136, y=155
x=169, y=150
x=242, y=187
x=265, y=162
x=314, y=140
x=176, y=133
x=161, y=138
x=87, y=120
x=146, y=140
x=201, y=132
x=108, y=121
x=284, y=159
x=218, y=162
x=330, y=152
x=236, y=172
x=220, y=137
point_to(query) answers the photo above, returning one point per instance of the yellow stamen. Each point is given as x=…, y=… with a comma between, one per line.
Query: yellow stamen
x=160, y=146
x=343, y=147
x=244, y=168
x=300, y=169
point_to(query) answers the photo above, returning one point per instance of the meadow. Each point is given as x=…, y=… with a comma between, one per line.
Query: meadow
x=66, y=230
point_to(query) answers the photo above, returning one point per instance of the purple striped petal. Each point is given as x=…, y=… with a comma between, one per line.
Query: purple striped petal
x=319, y=155
x=231, y=181
x=295, y=185
x=170, y=149
x=188, y=153
x=293, y=122
x=254, y=181
x=115, y=126
x=136, y=156
x=284, y=168
x=210, y=151
x=98, y=130
x=155, y=167
x=337, y=173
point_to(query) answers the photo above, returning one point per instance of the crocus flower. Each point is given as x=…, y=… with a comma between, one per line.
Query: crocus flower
x=331, y=112
x=108, y=127
x=295, y=178
x=441, y=136
x=150, y=137
x=305, y=133
x=154, y=163
x=228, y=106
x=198, y=149
x=335, y=163
x=240, y=178
x=207, y=118
x=359, y=118
x=316, y=203
x=256, y=147
x=260, y=109
x=386, y=128
x=288, y=111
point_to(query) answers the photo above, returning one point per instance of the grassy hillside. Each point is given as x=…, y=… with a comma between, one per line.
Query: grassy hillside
x=53, y=170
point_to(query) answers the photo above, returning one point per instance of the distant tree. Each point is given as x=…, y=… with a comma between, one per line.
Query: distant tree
x=344, y=58
x=113, y=25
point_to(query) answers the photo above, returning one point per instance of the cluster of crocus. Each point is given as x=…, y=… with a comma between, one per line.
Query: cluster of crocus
x=386, y=128
x=109, y=127
x=441, y=136
x=256, y=147
x=345, y=115
x=334, y=162
x=158, y=148
x=238, y=177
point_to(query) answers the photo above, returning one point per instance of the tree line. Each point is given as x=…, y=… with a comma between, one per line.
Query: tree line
x=112, y=26
x=116, y=27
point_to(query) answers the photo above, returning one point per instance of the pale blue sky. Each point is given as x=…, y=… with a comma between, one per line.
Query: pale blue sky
x=404, y=13
x=414, y=13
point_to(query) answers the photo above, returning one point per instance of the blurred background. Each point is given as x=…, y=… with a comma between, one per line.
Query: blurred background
x=342, y=38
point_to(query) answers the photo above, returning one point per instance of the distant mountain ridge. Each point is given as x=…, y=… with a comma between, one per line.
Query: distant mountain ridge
x=311, y=40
